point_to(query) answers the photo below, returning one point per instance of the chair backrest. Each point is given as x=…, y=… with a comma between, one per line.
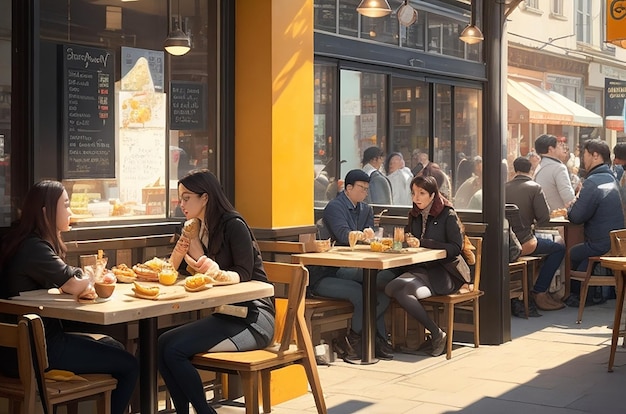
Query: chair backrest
x=39, y=354
x=279, y=250
x=477, y=242
x=16, y=336
x=295, y=277
x=618, y=242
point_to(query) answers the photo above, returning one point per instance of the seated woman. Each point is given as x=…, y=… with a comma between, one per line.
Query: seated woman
x=433, y=223
x=225, y=249
x=31, y=258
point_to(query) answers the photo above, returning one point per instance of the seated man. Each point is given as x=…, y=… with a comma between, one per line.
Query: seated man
x=528, y=196
x=598, y=206
x=343, y=214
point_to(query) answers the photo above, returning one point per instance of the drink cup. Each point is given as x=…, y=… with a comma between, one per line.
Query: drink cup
x=353, y=237
x=398, y=238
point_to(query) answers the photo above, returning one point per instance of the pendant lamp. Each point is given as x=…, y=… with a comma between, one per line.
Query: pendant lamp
x=177, y=42
x=374, y=8
x=472, y=34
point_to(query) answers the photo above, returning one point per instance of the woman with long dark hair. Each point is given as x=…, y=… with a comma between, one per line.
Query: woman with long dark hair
x=31, y=258
x=225, y=246
x=433, y=223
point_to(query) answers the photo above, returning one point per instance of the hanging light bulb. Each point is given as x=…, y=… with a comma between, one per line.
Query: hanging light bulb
x=374, y=8
x=177, y=42
x=472, y=34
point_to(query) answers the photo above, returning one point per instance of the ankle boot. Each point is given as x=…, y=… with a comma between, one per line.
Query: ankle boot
x=353, y=348
x=545, y=301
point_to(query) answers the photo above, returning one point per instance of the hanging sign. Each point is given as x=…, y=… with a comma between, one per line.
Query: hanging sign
x=616, y=22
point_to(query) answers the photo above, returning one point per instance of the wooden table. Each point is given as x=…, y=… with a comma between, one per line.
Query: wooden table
x=572, y=235
x=123, y=306
x=371, y=262
x=618, y=265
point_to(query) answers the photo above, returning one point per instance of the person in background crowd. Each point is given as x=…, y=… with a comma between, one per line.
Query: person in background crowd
x=527, y=195
x=380, y=187
x=464, y=170
x=225, y=247
x=534, y=159
x=619, y=161
x=552, y=174
x=31, y=258
x=416, y=165
x=348, y=212
x=598, y=206
x=400, y=178
x=433, y=222
x=469, y=187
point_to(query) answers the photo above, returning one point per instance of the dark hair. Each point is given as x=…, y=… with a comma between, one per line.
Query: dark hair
x=427, y=183
x=544, y=142
x=371, y=153
x=388, y=160
x=598, y=146
x=620, y=151
x=205, y=182
x=522, y=164
x=434, y=170
x=34, y=219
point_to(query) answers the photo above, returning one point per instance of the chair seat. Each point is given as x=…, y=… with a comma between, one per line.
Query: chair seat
x=95, y=384
x=454, y=298
x=250, y=360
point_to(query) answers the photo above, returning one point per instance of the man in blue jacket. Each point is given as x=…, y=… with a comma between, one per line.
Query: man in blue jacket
x=598, y=205
x=348, y=212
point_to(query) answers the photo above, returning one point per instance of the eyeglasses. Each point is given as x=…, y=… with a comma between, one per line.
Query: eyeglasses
x=362, y=187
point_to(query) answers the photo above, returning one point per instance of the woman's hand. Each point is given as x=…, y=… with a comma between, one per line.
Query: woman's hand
x=412, y=241
x=203, y=264
x=87, y=294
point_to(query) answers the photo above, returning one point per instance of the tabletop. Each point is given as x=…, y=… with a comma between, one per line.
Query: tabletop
x=123, y=306
x=362, y=256
x=614, y=262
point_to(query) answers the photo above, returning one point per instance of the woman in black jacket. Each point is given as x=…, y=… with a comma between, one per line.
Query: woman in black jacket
x=433, y=223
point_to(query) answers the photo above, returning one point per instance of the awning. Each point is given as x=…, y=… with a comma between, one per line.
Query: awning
x=531, y=104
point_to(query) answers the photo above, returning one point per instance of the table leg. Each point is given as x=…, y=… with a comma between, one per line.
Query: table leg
x=148, y=399
x=617, y=320
x=369, y=316
x=567, y=268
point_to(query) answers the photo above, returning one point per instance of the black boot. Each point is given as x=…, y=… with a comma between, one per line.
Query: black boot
x=382, y=348
x=353, y=348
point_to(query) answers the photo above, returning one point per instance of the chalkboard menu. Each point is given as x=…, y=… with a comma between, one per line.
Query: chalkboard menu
x=187, y=105
x=88, y=112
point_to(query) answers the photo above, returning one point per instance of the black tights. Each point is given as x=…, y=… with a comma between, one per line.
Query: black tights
x=406, y=290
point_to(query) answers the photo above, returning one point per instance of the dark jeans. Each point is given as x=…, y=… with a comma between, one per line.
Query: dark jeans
x=555, y=253
x=82, y=354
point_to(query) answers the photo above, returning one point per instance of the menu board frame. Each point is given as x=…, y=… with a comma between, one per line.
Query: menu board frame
x=88, y=112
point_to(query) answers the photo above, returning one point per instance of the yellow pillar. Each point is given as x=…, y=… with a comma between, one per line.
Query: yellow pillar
x=274, y=112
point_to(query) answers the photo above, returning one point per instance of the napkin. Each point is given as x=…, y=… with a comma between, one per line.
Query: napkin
x=62, y=375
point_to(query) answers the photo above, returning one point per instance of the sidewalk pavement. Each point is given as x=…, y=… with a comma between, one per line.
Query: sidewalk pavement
x=552, y=366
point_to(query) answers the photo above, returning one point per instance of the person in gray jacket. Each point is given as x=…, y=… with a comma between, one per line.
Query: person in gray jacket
x=552, y=174
x=380, y=187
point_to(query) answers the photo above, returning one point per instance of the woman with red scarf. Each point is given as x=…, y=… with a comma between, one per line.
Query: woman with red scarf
x=433, y=224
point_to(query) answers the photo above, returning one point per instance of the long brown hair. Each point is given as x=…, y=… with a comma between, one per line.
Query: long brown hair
x=35, y=219
x=218, y=207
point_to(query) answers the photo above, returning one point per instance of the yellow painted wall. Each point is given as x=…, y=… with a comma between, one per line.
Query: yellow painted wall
x=274, y=112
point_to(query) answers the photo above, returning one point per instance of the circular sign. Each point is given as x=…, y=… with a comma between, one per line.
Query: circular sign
x=407, y=15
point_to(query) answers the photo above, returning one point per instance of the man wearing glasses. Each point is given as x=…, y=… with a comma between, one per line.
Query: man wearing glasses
x=552, y=174
x=345, y=213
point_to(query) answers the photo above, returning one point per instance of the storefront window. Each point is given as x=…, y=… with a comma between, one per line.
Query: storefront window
x=131, y=118
x=363, y=121
x=467, y=162
x=5, y=113
x=325, y=167
x=410, y=122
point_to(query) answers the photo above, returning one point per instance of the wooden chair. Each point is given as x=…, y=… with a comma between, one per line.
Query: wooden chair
x=588, y=278
x=519, y=286
x=321, y=314
x=255, y=366
x=466, y=299
x=29, y=336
